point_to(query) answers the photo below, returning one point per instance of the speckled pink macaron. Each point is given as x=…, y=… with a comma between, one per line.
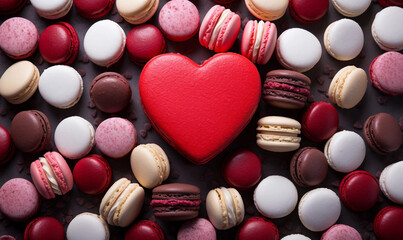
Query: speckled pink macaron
x=179, y=20
x=195, y=229
x=19, y=199
x=115, y=137
x=19, y=37
x=341, y=232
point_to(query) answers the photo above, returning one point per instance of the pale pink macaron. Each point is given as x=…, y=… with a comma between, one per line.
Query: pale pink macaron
x=19, y=199
x=179, y=20
x=219, y=29
x=51, y=175
x=19, y=37
x=258, y=41
x=115, y=137
x=341, y=232
x=197, y=229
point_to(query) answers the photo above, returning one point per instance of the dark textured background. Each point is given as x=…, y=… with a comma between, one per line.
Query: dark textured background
x=207, y=176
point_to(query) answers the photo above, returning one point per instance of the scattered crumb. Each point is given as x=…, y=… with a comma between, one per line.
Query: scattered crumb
x=97, y=121
x=147, y=126
x=383, y=99
x=39, y=60
x=322, y=89
x=250, y=210
x=357, y=125
x=133, y=115
x=335, y=183
x=91, y=104
x=127, y=75
x=84, y=58
x=320, y=80
x=311, y=99
x=117, y=19
x=81, y=72
x=143, y=133
x=174, y=174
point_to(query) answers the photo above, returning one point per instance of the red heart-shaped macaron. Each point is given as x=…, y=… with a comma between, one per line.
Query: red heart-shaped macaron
x=199, y=109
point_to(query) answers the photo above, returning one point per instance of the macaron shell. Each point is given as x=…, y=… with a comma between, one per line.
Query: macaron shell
x=248, y=38
x=44, y=228
x=228, y=33
x=351, y=8
x=94, y=8
x=390, y=182
x=7, y=147
x=12, y=6
x=52, y=10
x=341, y=232
x=137, y=12
x=19, y=82
x=257, y=228
x=61, y=170
x=208, y=24
x=111, y=196
x=40, y=180
x=386, y=33
x=87, y=226
x=388, y=3
x=196, y=229
x=144, y=229
x=308, y=11
x=268, y=43
x=130, y=207
x=267, y=10
x=388, y=223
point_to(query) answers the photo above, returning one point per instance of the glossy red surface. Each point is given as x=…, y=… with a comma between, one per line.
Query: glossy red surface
x=388, y=223
x=6, y=145
x=320, y=121
x=93, y=8
x=308, y=11
x=44, y=228
x=257, y=228
x=359, y=191
x=92, y=174
x=145, y=230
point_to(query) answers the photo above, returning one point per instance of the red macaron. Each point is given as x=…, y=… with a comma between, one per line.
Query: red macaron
x=144, y=42
x=388, y=3
x=320, y=121
x=242, y=169
x=257, y=228
x=11, y=6
x=144, y=229
x=44, y=228
x=6, y=146
x=308, y=11
x=93, y=8
x=388, y=223
x=59, y=44
x=92, y=174
x=359, y=191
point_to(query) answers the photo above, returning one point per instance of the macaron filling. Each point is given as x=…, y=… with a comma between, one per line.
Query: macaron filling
x=217, y=28
x=229, y=203
x=142, y=13
x=50, y=175
x=278, y=133
x=258, y=40
x=160, y=162
x=286, y=87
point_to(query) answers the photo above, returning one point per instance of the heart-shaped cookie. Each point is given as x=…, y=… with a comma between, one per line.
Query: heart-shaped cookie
x=199, y=109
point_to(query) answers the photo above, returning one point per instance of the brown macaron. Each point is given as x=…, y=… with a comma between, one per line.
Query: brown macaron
x=31, y=131
x=382, y=133
x=110, y=92
x=308, y=167
x=176, y=201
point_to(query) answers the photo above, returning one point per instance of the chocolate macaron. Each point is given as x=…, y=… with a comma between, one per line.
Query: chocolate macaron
x=31, y=131
x=286, y=89
x=308, y=167
x=110, y=92
x=382, y=133
x=176, y=201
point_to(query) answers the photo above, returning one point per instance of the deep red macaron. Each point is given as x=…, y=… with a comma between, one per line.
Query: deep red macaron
x=7, y=147
x=242, y=169
x=320, y=121
x=44, y=228
x=224, y=1
x=308, y=11
x=359, y=191
x=92, y=174
x=257, y=228
x=11, y=6
x=93, y=8
x=388, y=3
x=388, y=223
x=144, y=229
x=59, y=44
x=144, y=42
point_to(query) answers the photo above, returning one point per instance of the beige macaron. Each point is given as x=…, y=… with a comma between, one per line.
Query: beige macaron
x=19, y=82
x=348, y=87
x=122, y=203
x=150, y=165
x=278, y=134
x=225, y=208
x=138, y=11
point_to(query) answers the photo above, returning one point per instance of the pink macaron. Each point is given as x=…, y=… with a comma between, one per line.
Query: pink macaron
x=258, y=41
x=341, y=232
x=385, y=73
x=197, y=228
x=115, y=137
x=51, y=175
x=179, y=20
x=219, y=29
x=19, y=199
x=19, y=37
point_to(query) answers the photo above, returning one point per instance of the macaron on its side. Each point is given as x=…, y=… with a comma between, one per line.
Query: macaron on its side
x=351, y=8
x=93, y=9
x=386, y=33
x=390, y=181
x=41, y=181
x=268, y=43
x=52, y=10
x=62, y=171
x=11, y=7
x=208, y=24
x=228, y=33
x=137, y=12
x=267, y=10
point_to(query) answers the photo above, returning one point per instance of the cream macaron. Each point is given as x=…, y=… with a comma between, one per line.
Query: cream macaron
x=138, y=11
x=150, y=165
x=267, y=10
x=19, y=82
x=225, y=207
x=278, y=134
x=122, y=203
x=348, y=87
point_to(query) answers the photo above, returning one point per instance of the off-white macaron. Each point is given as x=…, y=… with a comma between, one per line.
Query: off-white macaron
x=275, y=197
x=122, y=203
x=137, y=12
x=278, y=134
x=53, y=9
x=348, y=87
x=391, y=180
x=225, y=208
x=87, y=226
x=319, y=209
x=344, y=39
x=150, y=165
x=351, y=8
x=61, y=86
x=295, y=237
x=387, y=29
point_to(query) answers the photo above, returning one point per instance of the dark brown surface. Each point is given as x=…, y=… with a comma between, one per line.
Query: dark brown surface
x=177, y=188
x=207, y=176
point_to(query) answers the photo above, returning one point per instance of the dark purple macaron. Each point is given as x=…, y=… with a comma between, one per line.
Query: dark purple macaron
x=176, y=201
x=31, y=131
x=6, y=146
x=308, y=167
x=382, y=133
x=110, y=92
x=286, y=89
